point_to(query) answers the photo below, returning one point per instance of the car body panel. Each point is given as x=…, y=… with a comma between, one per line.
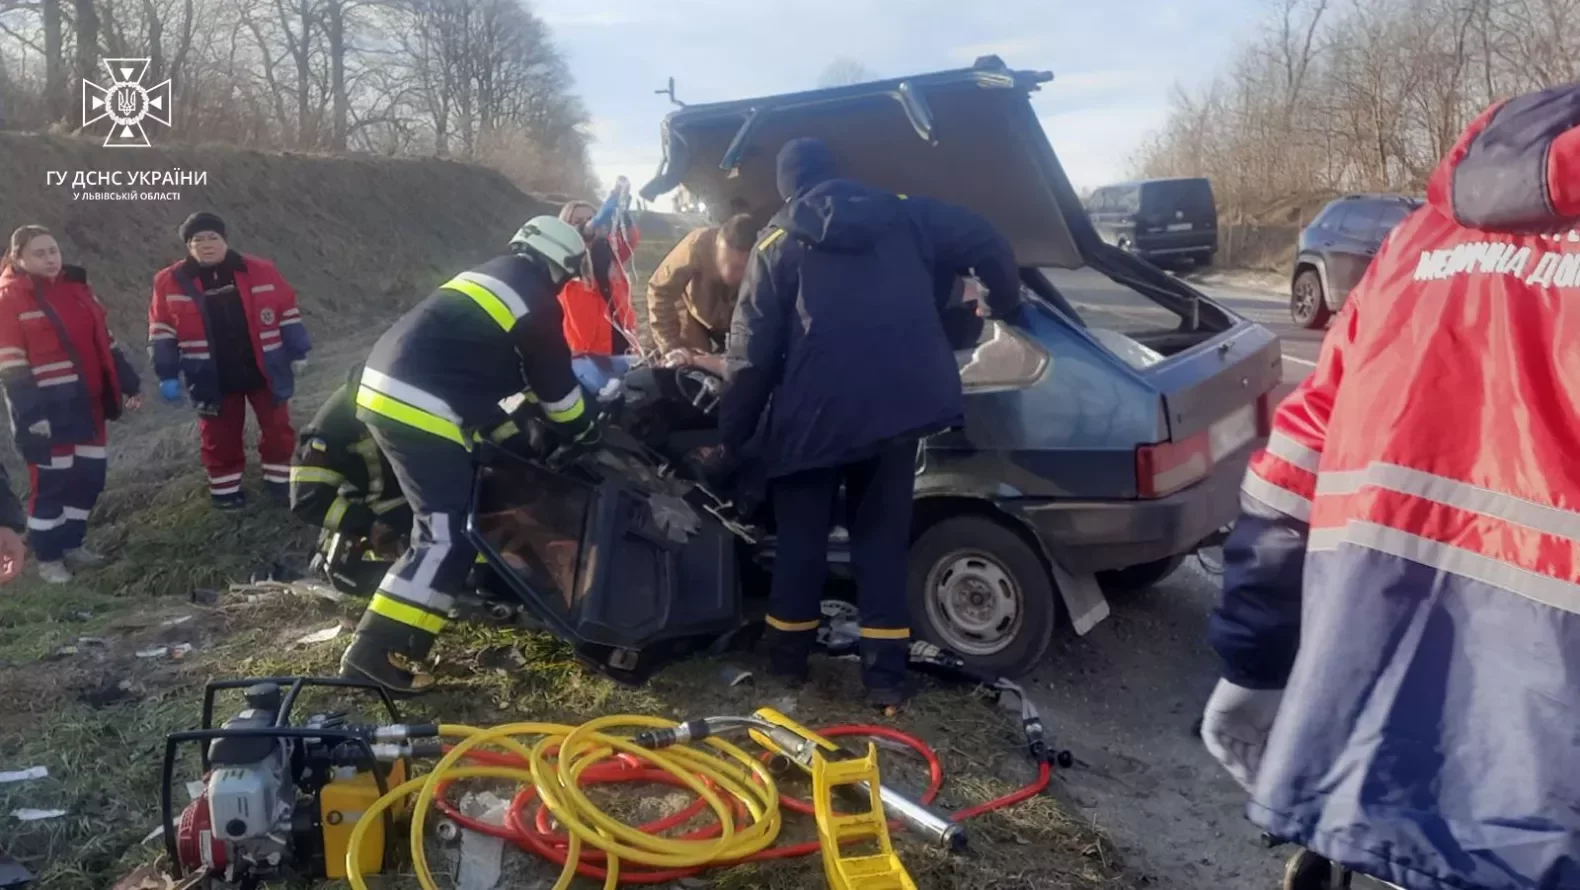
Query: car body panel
x=1057, y=455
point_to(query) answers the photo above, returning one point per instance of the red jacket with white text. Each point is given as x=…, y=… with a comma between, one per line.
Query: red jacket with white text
x=1407, y=565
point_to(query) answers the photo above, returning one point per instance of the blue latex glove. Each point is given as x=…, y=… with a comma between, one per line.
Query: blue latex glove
x=170, y=391
x=605, y=213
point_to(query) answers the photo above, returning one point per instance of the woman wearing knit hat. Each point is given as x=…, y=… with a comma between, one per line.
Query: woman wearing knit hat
x=228, y=323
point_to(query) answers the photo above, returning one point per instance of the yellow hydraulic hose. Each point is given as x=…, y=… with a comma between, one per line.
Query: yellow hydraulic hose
x=555, y=765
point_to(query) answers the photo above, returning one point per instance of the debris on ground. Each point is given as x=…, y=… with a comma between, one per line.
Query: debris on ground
x=146, y=877
x=24, y=775
x=27, y=814
x=205, y=596
x=12, y=875
x=733, y=676
x=172, y=622
x=481, y=854
x=176, y=652
x=320, y=636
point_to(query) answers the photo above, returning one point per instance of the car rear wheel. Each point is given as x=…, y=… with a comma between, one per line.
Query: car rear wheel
x=1133, y=579
x=980, y=590
x=1308, y=306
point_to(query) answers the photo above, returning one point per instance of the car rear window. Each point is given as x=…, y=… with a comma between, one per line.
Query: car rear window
x=1191, y=197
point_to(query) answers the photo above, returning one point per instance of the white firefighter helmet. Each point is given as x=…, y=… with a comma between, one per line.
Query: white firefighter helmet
x=556, y=241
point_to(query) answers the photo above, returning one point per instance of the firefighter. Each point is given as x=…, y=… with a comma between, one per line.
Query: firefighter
x=1400, y=622
x=228, y=323
x=432, y=383
x=840, y=262
x=64, y=377
x=599, y=319
x=342, y=483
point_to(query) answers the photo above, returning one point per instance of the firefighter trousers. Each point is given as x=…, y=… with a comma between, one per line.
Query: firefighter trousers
x=415, y=598
x=63, y=494
x=878, y=494
x=224, y=450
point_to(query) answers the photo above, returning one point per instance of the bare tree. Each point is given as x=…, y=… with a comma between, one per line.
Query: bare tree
x=844, y=71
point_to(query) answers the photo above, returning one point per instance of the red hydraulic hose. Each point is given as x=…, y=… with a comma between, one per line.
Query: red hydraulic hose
x=536, y=835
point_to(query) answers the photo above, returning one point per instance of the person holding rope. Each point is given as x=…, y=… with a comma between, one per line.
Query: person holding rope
x=599, y=319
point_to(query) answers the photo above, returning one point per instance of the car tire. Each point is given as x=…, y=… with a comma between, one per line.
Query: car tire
x=978, y=589
x=1136, y=578
x=1308, y=304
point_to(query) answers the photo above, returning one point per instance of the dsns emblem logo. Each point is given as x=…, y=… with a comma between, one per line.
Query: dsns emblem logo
x=126, y=102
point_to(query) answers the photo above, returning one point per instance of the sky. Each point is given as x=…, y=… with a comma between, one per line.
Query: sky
x=1115, y=63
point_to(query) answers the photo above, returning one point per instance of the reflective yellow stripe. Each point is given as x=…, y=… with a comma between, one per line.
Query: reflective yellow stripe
x=903, y=197
x=770, y=238
x=886, y=633
x=482, y=296
x=504, y=431
x=530, y=396
x=571, y=413
x=395, y=610
x=335, y=514
x=792, y=627
x=370, y=457
x=316, y=475
x=481, y=560
x=379, y=403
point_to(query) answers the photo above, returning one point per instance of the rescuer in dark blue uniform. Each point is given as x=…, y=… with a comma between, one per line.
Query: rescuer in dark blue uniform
x=838, y=325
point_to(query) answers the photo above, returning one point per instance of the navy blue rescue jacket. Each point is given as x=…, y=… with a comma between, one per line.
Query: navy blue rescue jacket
x=838, y=325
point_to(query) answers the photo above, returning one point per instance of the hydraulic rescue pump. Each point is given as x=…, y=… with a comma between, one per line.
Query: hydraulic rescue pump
x=279, y=799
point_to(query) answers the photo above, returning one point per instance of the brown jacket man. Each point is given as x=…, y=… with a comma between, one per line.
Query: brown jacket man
x=691, y=296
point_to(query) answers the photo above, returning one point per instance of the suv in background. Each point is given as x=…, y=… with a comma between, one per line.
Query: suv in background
x=1336, y=249
x=1161, y=221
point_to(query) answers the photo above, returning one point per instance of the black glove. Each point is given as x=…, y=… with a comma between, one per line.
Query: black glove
x=570, y=451
x=713, y=465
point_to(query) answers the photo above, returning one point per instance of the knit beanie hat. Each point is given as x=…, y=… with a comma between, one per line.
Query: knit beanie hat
x=202, y=221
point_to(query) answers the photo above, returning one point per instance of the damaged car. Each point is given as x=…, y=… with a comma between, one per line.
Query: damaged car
x=1105, y=436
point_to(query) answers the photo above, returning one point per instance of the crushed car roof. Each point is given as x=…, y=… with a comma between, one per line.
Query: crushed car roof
x=968, y=136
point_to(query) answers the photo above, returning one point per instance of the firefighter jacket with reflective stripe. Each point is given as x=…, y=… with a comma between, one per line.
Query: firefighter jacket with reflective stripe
x=1407, y=566
x=598, y=313
x=340, y=480
x=60, y=392
x=484, y=335
x=178, y=326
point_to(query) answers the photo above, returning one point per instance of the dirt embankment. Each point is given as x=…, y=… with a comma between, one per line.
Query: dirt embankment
x=357, y=237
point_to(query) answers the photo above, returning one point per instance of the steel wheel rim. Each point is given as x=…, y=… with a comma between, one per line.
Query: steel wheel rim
x=974, y=603
x=1305, y=300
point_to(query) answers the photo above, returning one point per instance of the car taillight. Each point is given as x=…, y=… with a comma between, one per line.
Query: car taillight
x=1167, y=467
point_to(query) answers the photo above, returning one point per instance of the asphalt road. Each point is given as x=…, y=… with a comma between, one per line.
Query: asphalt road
x=1124, y=697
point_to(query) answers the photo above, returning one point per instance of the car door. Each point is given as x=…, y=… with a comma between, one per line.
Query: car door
x=1353, y=246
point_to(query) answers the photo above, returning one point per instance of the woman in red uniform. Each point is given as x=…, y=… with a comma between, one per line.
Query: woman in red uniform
x=599, y=319
x=64, y=376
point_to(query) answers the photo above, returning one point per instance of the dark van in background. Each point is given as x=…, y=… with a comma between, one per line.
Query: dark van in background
x=1163, y=221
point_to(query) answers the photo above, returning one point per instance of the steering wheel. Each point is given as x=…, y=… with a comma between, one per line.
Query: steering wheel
x=700, y=388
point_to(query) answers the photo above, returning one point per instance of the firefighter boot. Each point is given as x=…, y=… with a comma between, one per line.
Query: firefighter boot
x=370, y=657
x=788, y=652
x=884, y=671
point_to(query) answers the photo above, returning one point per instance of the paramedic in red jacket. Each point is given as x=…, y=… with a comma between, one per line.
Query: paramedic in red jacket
x=599, y=319
x=228, y=323
x=1400, y=625
x=64, y=377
